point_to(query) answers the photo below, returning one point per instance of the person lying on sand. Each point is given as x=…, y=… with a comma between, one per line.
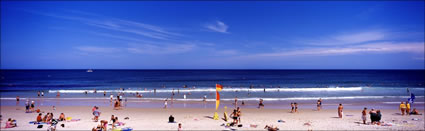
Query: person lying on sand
x=415, y=112
x=271, y=128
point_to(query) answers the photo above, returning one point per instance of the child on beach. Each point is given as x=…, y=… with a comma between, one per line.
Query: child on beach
x=165, y=103
x=180, y=127
x=364, y=115
x=10, y=123
x=402, y=108
x=96, y=114
x=340, y=107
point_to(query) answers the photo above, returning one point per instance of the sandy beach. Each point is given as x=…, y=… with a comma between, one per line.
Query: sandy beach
x=201, y=119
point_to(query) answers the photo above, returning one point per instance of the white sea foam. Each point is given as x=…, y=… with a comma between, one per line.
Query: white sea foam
x=232, y=99
x=213, y=90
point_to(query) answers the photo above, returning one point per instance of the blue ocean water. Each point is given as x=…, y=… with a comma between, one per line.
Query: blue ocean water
x=270, y=85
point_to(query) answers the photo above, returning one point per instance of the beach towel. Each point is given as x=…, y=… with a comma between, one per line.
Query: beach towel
x=68, y=118
x=126, y=129
x=36, y=123
x=253, y=126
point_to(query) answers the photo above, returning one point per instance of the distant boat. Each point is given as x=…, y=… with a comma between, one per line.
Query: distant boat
x=89, y=70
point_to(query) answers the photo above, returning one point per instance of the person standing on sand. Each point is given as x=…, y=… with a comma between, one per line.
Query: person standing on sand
x=38, y=93
x=236, y=101
x=32, y=106
x=292, y=107
x=104, y=93
x=340, y=107
x=364, y=115
x=165, y=103
x=407, y=108
x=42, y=93
x=402, y=108
x=319, y=104
x=296, y=106
x=96, y=114
x=112, y=97
x=239, y=114
x=17, y=100
x=27, y=106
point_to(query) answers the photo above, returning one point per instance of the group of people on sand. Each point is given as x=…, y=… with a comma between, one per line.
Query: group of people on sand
x=294, y=107
x=375, y=116
x=29, y=107
x=405, y=109
x=103, y=126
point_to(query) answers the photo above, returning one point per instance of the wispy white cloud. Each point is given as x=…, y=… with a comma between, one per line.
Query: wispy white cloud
x=96, y=49
x=217, y=26
x=417, y=48
x=349, y=38
x=160, y=50
x=114, y=24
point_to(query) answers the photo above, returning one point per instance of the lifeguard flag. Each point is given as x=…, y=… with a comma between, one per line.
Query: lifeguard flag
x=218, y=87
x=217, y=100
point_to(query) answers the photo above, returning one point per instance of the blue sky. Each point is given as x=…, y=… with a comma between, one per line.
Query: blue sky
x=212, y=35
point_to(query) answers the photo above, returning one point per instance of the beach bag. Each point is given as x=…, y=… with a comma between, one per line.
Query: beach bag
x=40, y=126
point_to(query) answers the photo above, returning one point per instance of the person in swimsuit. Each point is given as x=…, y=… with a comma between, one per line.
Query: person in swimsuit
x=239, y=114
x=364, y=115
x=292, y=107
x=319, y=104
x=340, y=107
x=27, y=106
x=32, y=106
x=234, y=115
x=402, y=108
x=296, y=106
